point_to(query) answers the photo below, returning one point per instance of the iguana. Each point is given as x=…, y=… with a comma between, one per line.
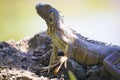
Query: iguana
x=81, y=50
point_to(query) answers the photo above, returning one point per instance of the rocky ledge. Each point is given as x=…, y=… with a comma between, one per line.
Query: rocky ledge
x=22, y=60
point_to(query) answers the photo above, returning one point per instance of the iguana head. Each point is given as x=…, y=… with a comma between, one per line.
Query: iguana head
x=47, y=12
x=50, y=15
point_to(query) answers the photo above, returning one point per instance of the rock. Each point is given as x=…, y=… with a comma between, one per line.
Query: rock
x=23, y=60
x=16, y=74
x=78, y=70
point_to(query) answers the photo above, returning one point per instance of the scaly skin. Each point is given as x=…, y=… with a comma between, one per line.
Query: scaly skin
x=81, y=50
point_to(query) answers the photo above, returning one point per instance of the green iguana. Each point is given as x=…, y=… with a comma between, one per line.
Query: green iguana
x=81, y=50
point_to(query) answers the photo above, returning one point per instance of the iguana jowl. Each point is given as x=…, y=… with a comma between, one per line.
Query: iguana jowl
x=79, y=49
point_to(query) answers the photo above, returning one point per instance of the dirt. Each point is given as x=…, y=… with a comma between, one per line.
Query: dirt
x=24, y=59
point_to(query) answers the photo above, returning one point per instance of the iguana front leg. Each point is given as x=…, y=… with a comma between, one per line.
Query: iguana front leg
x=68, y=52
x=53, y=57
x=109, y=63
x=63, y=59
x=53, y=60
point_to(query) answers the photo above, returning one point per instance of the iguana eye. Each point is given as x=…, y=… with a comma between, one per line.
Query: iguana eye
x=47, y=7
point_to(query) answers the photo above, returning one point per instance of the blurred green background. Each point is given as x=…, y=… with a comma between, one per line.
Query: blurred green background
x=95, y=19
x=17, y=19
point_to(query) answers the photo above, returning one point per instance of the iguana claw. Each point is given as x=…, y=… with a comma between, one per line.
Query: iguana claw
x=63, y=60
x=43, y=69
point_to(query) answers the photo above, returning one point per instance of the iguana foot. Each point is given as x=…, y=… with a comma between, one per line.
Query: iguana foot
x=63, y=60
x=43, y=69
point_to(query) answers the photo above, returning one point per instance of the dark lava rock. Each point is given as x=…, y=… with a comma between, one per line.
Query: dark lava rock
x=24, y=59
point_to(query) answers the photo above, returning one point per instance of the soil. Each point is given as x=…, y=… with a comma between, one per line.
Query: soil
x=24, y=59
